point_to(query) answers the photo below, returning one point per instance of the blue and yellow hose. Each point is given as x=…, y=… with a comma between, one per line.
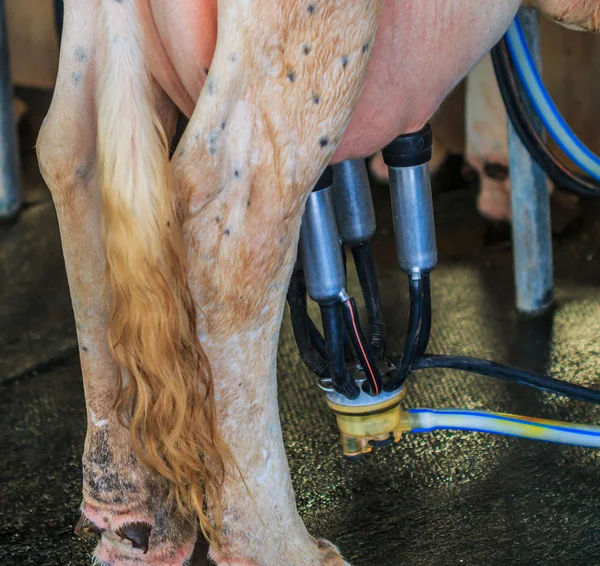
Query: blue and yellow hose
x=429, y=420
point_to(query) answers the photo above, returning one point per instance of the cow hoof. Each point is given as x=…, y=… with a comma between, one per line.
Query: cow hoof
x=330, y=555
x=85, y=527
x=138, y=534
x=138, y=538
x=114, y=551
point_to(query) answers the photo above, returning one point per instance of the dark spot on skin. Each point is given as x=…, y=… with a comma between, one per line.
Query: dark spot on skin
x=240, y=384
x=248, y=203
x=344, y=61
x=206, y=70
x=305, y=49
x=496, y=171
x=291, y=76
x=223, y=124
x=211, y=86
x=233, y=57
x=105, y=519
x=80, y=54
x=169, y=224
x=218, y=219
x=311, y=8
x=365, y=47
x=316, y=99
x=212, y=142
x=182, y=152
x=76, y=77
x=84, y=348
x=81, y=172
x=236, y=173
x=227, y=232
x=323, y=142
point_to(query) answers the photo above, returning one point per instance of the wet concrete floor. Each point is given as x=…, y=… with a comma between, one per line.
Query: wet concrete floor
x=432, y=500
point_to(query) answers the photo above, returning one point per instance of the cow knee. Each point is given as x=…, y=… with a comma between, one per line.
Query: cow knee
x=65, y=157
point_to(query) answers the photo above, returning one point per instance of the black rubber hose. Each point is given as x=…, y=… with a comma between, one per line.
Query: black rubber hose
x=425, y=332
x=333, y=327
x=365, y=267
x=302, y=324
x=317, y=340
x=509, y=373
x=536, y=146
x=411, y=344
x=362, y=346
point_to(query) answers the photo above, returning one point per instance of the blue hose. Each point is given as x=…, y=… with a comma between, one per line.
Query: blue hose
x=552, y=119
x=428, y=420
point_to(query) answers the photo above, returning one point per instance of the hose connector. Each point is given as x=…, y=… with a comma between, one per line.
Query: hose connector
x=368, y=422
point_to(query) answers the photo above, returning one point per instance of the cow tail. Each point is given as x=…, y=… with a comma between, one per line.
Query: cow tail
x=165, y=390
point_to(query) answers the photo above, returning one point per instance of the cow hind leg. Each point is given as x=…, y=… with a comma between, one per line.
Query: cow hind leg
x=283, y=83
x=123, y=499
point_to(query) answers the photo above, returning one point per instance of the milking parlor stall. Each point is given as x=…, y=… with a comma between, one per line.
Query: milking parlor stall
x=224, y=342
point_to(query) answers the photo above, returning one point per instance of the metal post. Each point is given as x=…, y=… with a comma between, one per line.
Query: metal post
x=531, y=229
x=10, y=191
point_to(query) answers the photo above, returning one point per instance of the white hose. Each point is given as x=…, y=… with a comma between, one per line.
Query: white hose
x=546, y=109
x=428, y=420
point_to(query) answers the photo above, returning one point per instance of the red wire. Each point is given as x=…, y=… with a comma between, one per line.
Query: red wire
x=373, y=379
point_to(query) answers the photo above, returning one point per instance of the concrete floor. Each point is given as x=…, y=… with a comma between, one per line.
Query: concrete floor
x=437, y=499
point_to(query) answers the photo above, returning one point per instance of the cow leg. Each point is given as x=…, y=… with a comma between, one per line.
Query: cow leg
x=487, y=141
x=487, y=144
x=283, y=83
x=122, y=498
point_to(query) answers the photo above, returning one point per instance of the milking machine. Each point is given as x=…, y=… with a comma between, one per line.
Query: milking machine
x=364, y=386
